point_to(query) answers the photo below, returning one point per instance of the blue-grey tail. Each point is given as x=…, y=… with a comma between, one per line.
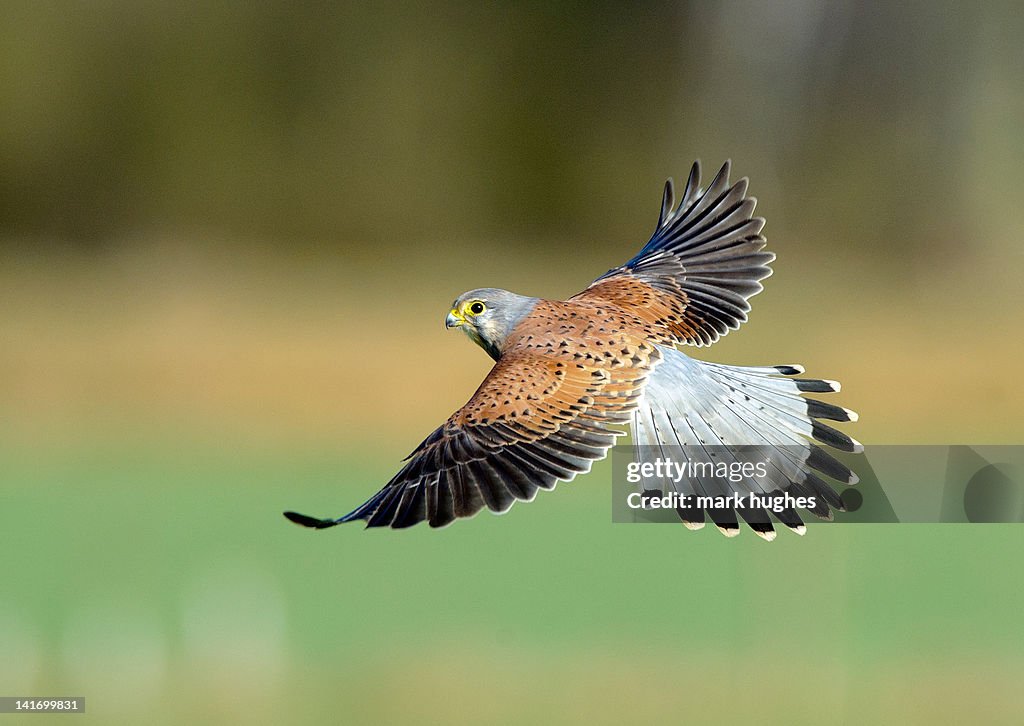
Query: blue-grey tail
x=709, y=411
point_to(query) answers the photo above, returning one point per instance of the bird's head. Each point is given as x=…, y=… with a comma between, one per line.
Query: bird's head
x=488, y=315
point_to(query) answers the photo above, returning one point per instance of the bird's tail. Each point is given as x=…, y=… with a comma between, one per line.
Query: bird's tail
x=718, y=413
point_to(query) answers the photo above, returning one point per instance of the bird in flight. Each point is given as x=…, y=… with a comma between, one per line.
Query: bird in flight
x=570, y=375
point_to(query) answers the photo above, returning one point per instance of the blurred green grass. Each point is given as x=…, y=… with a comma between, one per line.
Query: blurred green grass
x=550, y=612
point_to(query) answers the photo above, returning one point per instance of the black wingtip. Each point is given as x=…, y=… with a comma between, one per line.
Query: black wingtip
x=789, y=370
x=306, y=521
x=668, y=201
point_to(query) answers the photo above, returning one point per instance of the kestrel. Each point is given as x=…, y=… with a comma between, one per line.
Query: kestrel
x=571, y=375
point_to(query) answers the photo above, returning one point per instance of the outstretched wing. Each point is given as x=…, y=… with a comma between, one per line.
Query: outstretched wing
x=543, y=414
x=705, y=260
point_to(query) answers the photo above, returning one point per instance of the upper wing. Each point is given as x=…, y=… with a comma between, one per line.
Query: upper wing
x=536, y=419
x=693, y=278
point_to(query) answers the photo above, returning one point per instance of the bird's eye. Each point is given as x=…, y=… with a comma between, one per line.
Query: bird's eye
x=476, y=307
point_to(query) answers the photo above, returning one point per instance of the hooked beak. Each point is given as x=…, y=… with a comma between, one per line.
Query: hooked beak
x=454, y=319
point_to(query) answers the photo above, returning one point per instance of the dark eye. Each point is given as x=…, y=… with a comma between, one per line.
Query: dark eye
x=476, y=307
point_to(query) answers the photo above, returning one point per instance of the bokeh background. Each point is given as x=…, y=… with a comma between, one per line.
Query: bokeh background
x=229, y=234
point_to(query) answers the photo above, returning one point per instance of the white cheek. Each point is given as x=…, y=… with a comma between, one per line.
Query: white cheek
x=488, y=329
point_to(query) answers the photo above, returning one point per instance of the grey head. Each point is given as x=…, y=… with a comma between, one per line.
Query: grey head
x=487, y=315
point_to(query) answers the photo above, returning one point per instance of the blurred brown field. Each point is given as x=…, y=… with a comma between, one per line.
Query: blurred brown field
x=274, y=349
